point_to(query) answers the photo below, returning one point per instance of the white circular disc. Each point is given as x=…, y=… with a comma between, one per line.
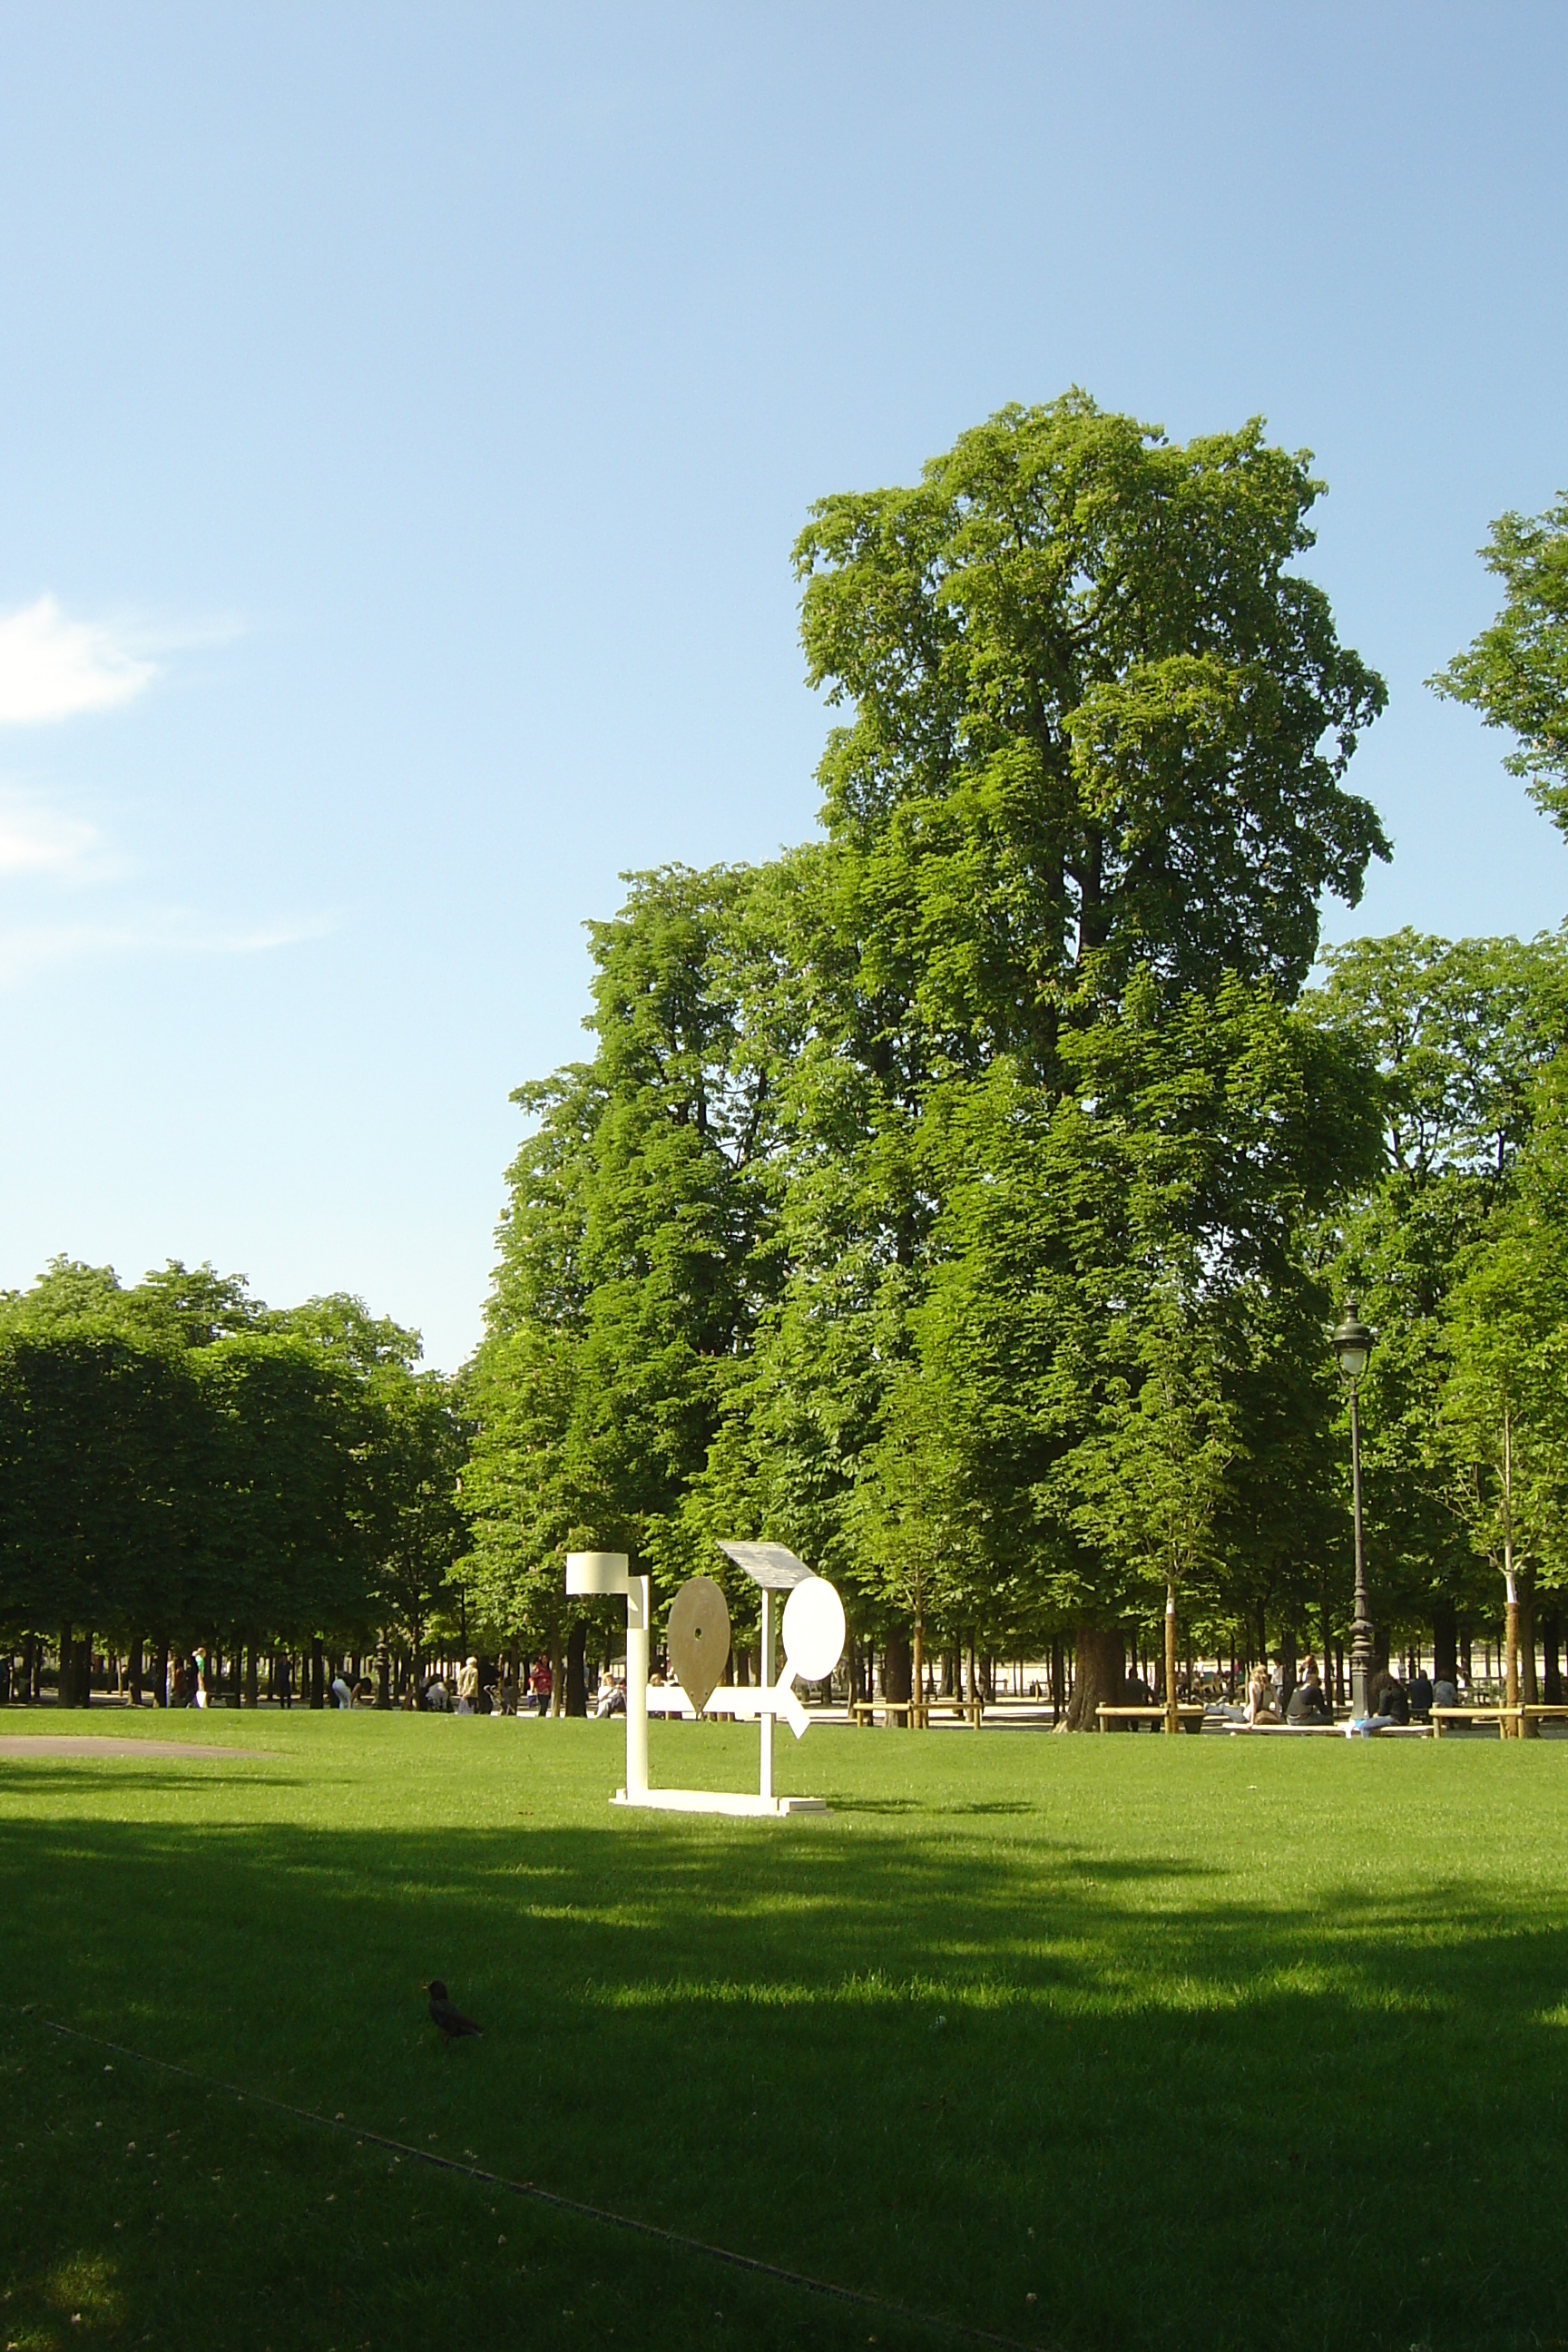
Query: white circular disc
x=813, y=1630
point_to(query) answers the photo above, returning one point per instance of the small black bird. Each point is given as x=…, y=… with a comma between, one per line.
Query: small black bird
x=452, y=2021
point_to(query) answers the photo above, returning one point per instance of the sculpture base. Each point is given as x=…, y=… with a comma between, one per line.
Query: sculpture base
x=719, y=1801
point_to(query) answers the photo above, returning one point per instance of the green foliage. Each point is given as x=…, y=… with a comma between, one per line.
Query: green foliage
x=1505, y=1402
x=1461, y=1034
x=632, y=1255
x=1144, y=1487
x=93, y=1432
x=176, y=1460
x=1515, y=673
x=845, y=1233
x=1098, y=723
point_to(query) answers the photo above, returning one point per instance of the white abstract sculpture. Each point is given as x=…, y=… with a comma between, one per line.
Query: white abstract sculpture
x=813, y=1632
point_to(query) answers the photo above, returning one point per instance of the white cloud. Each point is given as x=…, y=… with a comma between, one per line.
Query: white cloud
x=51, y=668
x=30, y=948
x=35, y=840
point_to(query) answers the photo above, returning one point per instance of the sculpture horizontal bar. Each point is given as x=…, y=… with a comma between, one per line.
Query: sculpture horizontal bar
x=744, y=1703
x=730, y=1801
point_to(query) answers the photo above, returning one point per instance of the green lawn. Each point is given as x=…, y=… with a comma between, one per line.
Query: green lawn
x=1194, y=2042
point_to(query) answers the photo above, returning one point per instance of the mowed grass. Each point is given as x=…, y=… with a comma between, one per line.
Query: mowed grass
x=1096, y=2042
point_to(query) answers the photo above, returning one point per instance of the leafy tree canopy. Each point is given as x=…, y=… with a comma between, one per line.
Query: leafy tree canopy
x=1516, y=672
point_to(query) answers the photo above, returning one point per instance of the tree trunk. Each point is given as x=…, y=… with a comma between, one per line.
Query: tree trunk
x=383, y=1674
x=318, y=1679
x=1511, y=1646
x=1327, y=1631
x=1551, y=1625
x=916, y=1670
x=31, y=1653
x=896, y=1664
x=576, y=1688
x=1099, y=1675
x=135, y=1671
x=251, y=1683
x=1444, y=1640
x=1173, y=1720
x=1287, y=1662
x=1058, y=1680
x=66, y=1686
x=161, y=1671
x=1510, y=1621
x=81, y=1692
x=1528, y=1691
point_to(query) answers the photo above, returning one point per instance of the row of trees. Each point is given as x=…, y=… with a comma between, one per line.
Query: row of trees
x=962, y=1198
x=181, y=1464
x=965, y=1197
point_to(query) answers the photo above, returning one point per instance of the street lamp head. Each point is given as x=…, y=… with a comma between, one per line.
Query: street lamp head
x=1351, y=1344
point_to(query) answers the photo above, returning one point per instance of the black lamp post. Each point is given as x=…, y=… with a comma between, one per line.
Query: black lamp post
x=1352, y=1346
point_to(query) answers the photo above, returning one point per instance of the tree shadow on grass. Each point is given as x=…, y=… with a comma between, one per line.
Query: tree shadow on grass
x=957, y=2072
x=50, y=1781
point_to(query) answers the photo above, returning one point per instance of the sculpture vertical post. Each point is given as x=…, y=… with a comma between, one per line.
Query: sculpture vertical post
x=606, y=1575
x=765, y=1721
x=639, y=1601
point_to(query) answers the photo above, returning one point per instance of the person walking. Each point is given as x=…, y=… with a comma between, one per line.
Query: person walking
x=468, y=1687
x=283, y=1680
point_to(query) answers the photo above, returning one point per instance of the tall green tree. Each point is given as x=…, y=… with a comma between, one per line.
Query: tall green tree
x=94, y=1528
x=1505, y=1402
x=632, y=1265
x=1145, y=1486
x=1460, y=1033
x=1099, y=722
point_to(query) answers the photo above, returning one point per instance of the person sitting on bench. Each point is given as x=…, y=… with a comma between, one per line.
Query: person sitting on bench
x=1308, y=1704
x=1262, y=1701
x=1390, y=1700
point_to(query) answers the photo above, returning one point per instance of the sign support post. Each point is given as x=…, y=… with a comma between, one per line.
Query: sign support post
x=766, y=1722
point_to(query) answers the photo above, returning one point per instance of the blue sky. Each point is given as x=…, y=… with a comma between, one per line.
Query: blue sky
x=407, y=413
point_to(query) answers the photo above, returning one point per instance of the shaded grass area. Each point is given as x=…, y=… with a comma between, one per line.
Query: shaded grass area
x=1089, y=2043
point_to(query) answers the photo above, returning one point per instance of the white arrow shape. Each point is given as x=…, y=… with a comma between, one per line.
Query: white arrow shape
x=746, y=1704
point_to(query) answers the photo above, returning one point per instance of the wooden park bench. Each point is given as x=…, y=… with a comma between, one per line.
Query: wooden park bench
x=969, y=1710
x=1547, y=1711
x=866, y=1710
x=1189, y=1714
x=1452, y=1715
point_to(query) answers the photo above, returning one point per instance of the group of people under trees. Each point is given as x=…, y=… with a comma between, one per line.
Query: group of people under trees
x=1390, y=1701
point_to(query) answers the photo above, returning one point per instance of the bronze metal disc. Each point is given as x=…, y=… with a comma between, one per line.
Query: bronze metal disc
x=699, y=1639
